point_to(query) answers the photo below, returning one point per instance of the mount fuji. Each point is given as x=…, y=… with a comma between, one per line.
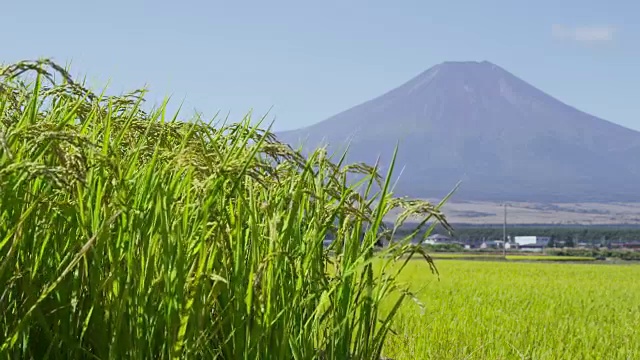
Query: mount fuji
x=477, y=123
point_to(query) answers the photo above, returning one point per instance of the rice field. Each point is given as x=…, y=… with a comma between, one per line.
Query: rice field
x=519, y=257
x=548, y=258
x=504, y=310
x=470, y=256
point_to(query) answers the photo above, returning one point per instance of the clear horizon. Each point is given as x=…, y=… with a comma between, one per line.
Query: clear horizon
x=309, y=62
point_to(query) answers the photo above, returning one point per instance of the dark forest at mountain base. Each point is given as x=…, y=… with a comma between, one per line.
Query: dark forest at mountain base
x=596, y=234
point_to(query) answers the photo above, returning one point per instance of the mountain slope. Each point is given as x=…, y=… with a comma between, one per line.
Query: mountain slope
x=476, y=122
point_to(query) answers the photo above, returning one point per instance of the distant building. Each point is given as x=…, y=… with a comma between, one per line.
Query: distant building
x=532, y=240
x=494, y=244
x=437, y=239
x=633, y=245
x=531, y=247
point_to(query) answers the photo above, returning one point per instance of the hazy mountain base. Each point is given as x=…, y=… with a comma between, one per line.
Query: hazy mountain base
x=586, y=213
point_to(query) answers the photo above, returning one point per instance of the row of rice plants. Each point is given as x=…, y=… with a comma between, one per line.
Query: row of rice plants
x=126, y=233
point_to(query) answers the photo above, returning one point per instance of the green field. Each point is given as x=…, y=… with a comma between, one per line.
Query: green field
x=455, y=256
x=548, y=258
x=502, y=310
x=495, y=257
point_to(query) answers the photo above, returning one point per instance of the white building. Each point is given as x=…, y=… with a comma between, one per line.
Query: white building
x=436, y=239
x=494, y=244
x=532, y=240
x=510, y=245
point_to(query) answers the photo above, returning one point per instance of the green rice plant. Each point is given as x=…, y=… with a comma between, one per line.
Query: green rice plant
x=130, y=234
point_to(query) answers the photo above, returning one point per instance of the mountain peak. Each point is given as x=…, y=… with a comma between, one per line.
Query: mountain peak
x=467, y=66
x=476, y=122
x=467, y=63
x=455, y=74
x=471, y=67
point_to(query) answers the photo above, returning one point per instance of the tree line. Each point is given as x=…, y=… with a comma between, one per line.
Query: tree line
x=595, y=234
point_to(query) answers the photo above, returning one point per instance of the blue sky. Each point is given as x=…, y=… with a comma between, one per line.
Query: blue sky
x=311, y=60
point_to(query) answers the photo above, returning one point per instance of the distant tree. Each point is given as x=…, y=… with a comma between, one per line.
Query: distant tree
x=568, y=241
x=552, y=242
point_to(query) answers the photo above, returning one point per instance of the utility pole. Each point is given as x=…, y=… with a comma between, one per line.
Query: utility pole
x=504, y=231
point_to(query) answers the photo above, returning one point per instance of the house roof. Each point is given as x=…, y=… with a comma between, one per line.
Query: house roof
x=437, y=237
